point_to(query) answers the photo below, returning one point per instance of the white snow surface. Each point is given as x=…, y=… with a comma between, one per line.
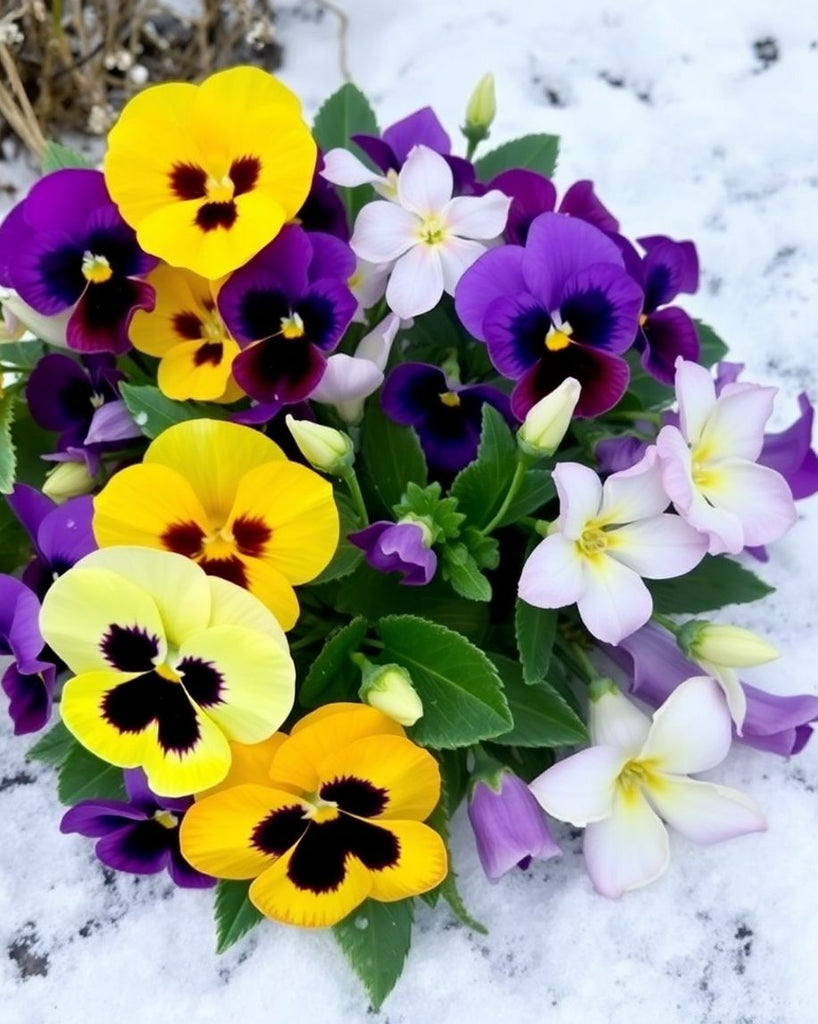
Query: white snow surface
x=687, y=131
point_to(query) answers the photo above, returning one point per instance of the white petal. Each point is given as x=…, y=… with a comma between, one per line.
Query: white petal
x=733, y=691
x=758, y=496
x=51, y=329
x=477, y=216
x=615, y=721
x=344, y=168
x=691, y=731
x=368, y=283
x=416, y=283
x=552, y=576
x=580, y=788
x=735, y=427
x=377, y=345
x=704, y=812
x=615, y=601
x=383, y=231
x=628, y=850
x=580, y=493
x=456, y=256
x=658, y=548
x=696, y=394
x=635, y=493
x=425, y=182
x=347, y=378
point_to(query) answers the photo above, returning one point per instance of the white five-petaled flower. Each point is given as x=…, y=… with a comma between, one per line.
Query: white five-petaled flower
x=606, y=538
x=430, y=235
x=709, y=463
x=635, y=775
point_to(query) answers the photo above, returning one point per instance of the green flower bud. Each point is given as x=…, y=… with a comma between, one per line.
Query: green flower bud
x=389, y=689
x=68, y=480
x=481, y=108
x=325, y=448
x=546, y=423
x=724, y=646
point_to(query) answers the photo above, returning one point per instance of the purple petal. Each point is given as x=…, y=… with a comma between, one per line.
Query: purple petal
x=727, y=373
x=602, y=304
x=790, y=453
x=279, y=371
x=47, y=271
x=531, y=194
x=581, y=201
x=669, y=334
x=603, y=378
x=327, y=309
x=670, y=268
x=184, y=875
x=30, y=695
x=331, y=258
x=515, y=328
x=31, y=507
x=100, y=321
x=493, y=276
x=419, y=129
x=65, y=535
x=379, y=152
x=19, y=624
x=322, y=209
x=66, y=199
x=142, y=848
x=108, y=235
x=141, y=795
x=614, y=454
x=411, y=390
x=59, y=394
x=96, y=818
x=256, y=414
x=14, y=234
x=770, y=716
x=464, y=177
x=112, y=422
x=397, y=547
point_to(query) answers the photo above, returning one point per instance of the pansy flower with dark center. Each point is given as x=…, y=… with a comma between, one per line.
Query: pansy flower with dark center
x=66, y=246
x=666, y=332
x=141, y=835
x=288, y=308
x=208, y=174
x=28, y=681
x=169, y=665
x=446, y=416
x=337, y=819
x=561, y=306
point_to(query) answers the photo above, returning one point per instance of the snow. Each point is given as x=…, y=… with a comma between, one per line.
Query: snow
x=695, y=120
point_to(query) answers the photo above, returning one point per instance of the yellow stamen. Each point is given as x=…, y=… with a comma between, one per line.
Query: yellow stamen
x=643, y=319
x=166, y=819
x=451, y=399
x=635, y=775
x=319, y=810
x=213, y=329
x=432, y=231
x=95, y=269
x=703, y=476
x=220, y=191
x=167, y=673
x=292, y=326
x=592, y=541
x=558, y=338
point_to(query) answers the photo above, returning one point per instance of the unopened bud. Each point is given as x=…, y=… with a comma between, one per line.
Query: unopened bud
x=481, y=109
x=547, y=422
x=51, y=329
x=68, y=480
x=325, y=448
x=389, y=689
x=724, y=646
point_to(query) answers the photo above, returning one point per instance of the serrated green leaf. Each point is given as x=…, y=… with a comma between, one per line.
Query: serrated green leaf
x=332, y=675
x=30, y=441
x=712, y=348
x=56, y=156
x=346, y=113
x=375, y=938
x=53, y=747
x=484, y=550
x=451, y=894
x=154, y=412
x=462, y=695
x=482, y=486
x=392, y=455
x=542, y=718
x=83, y=776
x=8, y=457
x=535, y=629
x=462, y=571
x=715, y=582
x=347, y=557
x=235, y=915
x=25, y=354
x=534, y=152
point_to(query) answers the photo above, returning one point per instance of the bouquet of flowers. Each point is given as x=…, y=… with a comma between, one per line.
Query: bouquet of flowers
x=347, y=479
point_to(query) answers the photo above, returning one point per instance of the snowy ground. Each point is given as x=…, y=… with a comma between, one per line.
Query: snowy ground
x=698, y=123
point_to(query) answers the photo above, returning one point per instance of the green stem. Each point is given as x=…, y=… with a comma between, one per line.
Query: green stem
x=577, y=660
x=669, y=624
x=471, y=147
x=637, y=417
x=351, y=480
x=511, y=494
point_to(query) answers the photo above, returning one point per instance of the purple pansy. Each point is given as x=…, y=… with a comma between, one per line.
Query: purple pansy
x=323, y=210
x=288, y=308
x=398, y=547
x=509, y=826
x=446, y=416
x=561, y=306
x=140, y=836
x=657, y=666
x=28, y=681
x=65, y=245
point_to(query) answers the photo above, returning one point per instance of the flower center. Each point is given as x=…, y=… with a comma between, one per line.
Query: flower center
x=592, y=541
x=166, y=819
x=432, y=230
x=166, y=672
x=450, y=399
x=292, y=326
x=703, y=476
x=221, y=191
x=558, y=336
x=319, y=810
x=213, y=329
x=95, y=269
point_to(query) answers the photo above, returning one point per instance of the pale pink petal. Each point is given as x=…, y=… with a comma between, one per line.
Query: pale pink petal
x=416, y=283
x=346, y=378
x=477, y=216
x=735, y=427
x=615, y=721
x=552, y=576
x=580, y=788
x=691, y=731
x=635, y=493
x=383, y=231
x=615, y=602
x=456, y=256
x=758, y=496
x=627, y=850
x=658, y=548
x=377, y=345
x=580, y=493
x=704, y=812
x=344, y=168
x=425, y=182
x=368, y=284
x=696, y=394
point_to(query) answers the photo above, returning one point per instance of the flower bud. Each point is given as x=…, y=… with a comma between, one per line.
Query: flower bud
x=68, y=480
x=51, y=329
x=724, y=646
x=481, y=108
x=325, y=448
x=389, y=689
x=547, y=422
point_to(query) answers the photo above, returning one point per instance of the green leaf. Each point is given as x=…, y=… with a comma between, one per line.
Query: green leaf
x=440, y=514
x=534, y=152
x=715, y=582
x=542, y=718
x=332, y=676
x=482, y=486
x=375, y=938
x=83, y=776
x=451, y=894
x=56, y=156
x=31, y=441
x=346, y=113
x=648, y=392
x=8, y=458
x=535, y=491
x=392, y=454
x=22, y=353
x=713, y=349
x=535, y=629
x=347, y=557
x=53, y=747
x=462, y=571
x=462, y=695
x=235, y=914
x=154, y=412
x=15, y=546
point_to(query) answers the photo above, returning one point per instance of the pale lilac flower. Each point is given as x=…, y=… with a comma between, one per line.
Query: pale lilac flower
x=709, y=463
x=344, y=168
x=635, y=776
x=432, y=237
x=368, y=284
x=607, y=537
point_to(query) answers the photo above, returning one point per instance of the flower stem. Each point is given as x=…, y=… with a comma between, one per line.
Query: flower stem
x=638, y=417
x=663, y=620
x=350, y=478
x=511, y=494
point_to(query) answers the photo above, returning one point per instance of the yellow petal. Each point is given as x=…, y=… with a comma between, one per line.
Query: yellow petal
x=82, y=711
x=177, y=292
x=422, y=864
x=199, y=766
x=250, y=763
x=234, y=606
x=197, y=370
